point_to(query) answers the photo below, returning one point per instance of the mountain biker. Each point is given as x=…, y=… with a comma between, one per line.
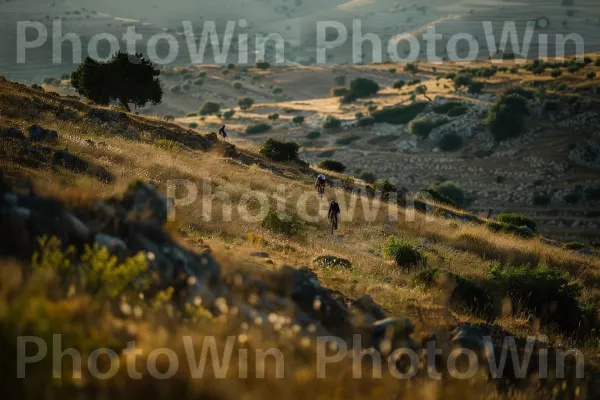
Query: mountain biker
x=320, y=183
x=222, y=132
x=334, y=211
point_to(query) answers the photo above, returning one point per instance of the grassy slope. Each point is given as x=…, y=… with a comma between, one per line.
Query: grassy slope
x=469, y=251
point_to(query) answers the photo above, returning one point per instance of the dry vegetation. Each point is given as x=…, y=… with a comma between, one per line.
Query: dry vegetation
x=136, y=148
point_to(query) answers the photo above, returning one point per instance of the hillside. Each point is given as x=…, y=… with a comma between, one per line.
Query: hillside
x=216, y=264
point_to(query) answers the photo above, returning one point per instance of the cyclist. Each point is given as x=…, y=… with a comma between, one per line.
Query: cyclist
x=320, y=184
x=222, y=132
x=334, y=211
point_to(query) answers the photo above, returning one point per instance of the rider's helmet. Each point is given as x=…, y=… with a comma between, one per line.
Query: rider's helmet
x=321, y=177
x=332, y=202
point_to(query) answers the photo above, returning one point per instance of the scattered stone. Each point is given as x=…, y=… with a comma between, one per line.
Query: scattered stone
x=39, y=134
x=332, y=261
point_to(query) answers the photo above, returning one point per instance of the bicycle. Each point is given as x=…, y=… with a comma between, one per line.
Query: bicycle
x=333, y=220
x=321, y=190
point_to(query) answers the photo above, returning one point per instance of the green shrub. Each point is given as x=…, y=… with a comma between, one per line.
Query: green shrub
x=422, y=127
x=245, y=103
x=299, y=120
x=192, y=125
x=228, y=114
x=399, y=84
x=313, y=135
x=521, y=231
x=547, y=292
x=237, y=85
x=572, y=197
x=463, y=292
x=338, y=91
x=277, y=90
x=517, y=220
x=462, y=80
x=346, y=140
x=452, y=191
x=541, y=199
x=363, y=87
x=457, y=111
x=475, y=87
x=445, y=107
x=209, y=107
x=591, y=75
x=399, y=115
x=411, y=68
x=332, y=165
x=278, y=150
x=273, y=117
x=257, y=128
x=289, y=224
x=367, y=176
x=385, y=186
x=575, y=246
x=506, y=118
x=433, y=194
x=332, y=122
x=403, y=253
x=332, y=262
x=192, y=114
x=556, y=73
x=450, y=142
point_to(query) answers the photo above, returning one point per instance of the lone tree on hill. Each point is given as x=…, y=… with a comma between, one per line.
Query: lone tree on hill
x=125, y=77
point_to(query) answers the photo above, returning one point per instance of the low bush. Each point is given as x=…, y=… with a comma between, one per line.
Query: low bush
x=367, y=176
x=463, y=292
x=338, y=91
x=547, y=292
x=245, y=103
x=457, y=111
x=423, y=127
x=399, y=115
x=347, y=140
x=517, y=220
x=385, y=186
x=263, y=65
x=572, y=197
x=332, y=165
x=403, y=253
x=575, y=246
x=298, y=120
x=273, y=117
x=541, y=199
x=592, y=193
x=278, y=150
x=363, y=87
x=289, y=224
x=209, y=107
x=313, y=135
x=430, y=193
x=445, y=107
x=257, y=128
x=506, y=118
x=399, y=84
x=450, y=142
x=332, y=122
x=451, y=191
x=521, y=231
x=277, y=90
x=228, y=114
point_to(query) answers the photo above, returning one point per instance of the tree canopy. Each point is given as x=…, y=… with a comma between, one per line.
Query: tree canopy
x=125, y=77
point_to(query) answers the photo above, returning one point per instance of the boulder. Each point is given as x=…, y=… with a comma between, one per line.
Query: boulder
x=105, y=115
x=14, y=133
x=39, y=134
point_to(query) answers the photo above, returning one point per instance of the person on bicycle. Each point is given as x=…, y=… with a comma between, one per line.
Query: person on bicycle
x=222, y=132
x=320, y=183
x=334, y=211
